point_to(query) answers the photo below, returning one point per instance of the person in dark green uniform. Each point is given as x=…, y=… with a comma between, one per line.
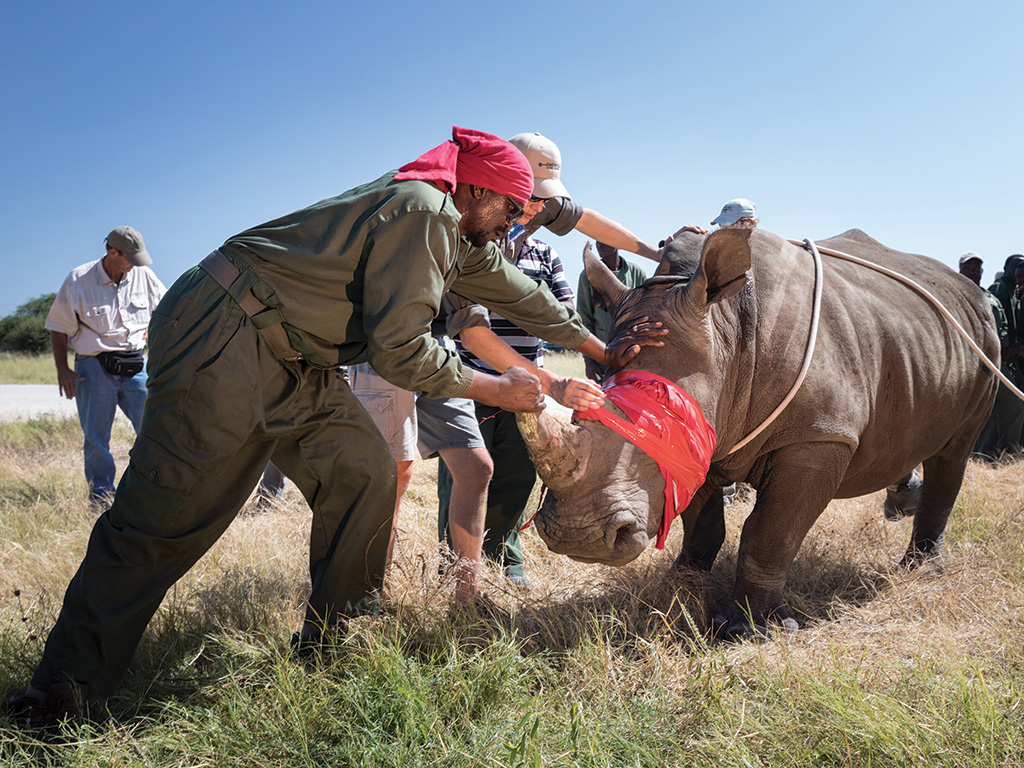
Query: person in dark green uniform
x=1001, y=436
x=591, y=308
x=1003, y=289
x=243, y=352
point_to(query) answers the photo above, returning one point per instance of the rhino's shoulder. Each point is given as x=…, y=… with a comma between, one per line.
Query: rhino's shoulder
x=853, y=236
x=948, y=286
x=858, y=243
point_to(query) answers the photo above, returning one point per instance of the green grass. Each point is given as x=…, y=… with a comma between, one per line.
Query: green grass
x=593, y=667
x=20, y=368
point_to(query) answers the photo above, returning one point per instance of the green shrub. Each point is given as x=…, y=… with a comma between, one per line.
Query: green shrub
x=23, y=330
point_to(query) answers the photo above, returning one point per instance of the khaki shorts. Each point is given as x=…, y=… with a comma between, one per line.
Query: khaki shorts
x=408, y=421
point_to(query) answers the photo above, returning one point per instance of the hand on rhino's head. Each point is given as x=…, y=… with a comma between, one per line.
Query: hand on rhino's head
x=608, y=494
x=697, y=273
x=681, y=256
x=704, y=270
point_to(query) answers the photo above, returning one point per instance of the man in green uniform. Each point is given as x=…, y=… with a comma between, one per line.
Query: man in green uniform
x=1001, y=436
x=241, y=371
x=1003, y=289
x=591, y=308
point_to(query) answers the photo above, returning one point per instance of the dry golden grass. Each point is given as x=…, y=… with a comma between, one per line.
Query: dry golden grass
x=845, y=586
x=900, y=646
x=22, y=368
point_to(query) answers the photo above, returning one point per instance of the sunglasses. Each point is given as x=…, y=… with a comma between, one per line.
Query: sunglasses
x=516, y=213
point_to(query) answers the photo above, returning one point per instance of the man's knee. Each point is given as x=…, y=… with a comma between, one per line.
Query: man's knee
x=470, y=467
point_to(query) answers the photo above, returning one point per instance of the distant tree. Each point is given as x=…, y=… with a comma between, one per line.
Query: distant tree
x=23, y=330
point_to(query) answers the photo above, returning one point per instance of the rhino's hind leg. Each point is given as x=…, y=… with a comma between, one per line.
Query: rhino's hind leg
x=943, y=476
x=901, y=499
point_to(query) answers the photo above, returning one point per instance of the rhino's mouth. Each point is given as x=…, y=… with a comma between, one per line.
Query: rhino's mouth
x=615, y=539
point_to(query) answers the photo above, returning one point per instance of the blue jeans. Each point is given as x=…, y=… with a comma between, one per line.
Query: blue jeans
x=98, y=396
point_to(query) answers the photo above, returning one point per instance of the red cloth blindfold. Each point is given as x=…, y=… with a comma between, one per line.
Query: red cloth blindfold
x=667, y=425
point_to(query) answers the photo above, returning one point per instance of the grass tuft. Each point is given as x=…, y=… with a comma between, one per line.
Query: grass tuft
x=22, y=368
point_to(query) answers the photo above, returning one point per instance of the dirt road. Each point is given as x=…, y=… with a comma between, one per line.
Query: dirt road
x=26, y=401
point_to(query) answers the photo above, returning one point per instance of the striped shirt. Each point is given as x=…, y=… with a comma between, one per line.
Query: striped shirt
x=538, y=261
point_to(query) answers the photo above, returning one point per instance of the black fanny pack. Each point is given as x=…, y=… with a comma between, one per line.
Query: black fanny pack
x=122, y=363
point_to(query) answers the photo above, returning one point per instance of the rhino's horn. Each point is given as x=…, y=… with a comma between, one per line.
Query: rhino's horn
x=559, y=450
x=602, y=279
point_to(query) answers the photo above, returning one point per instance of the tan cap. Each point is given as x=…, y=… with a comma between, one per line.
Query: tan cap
x=128, y=241
x=545, y=162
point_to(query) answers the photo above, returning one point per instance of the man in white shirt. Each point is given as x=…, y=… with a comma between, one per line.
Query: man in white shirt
x=102, y=311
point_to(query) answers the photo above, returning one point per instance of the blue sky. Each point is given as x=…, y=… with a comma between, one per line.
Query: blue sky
x=192, y=121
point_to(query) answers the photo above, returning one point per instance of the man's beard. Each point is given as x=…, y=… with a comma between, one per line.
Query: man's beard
x=481, y=239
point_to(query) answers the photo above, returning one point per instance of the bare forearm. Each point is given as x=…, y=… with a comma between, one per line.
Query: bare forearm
x=66, y=378
x=489, y=347
x=601, y=228
x=59, y=345
x=570, y=392
x=594, y=348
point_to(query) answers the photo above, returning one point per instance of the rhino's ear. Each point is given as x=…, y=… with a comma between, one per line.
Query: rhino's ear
x=724, y=263
x=602, y=279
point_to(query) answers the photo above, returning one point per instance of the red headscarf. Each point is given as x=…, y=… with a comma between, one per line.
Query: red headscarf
x=477, y=158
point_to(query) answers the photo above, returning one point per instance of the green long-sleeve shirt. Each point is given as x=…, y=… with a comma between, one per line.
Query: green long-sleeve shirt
x=1000, y=315
x=596, y=318
x=1003, y=291
x=360, y=277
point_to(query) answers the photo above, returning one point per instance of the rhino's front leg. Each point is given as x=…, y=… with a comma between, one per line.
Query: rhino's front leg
x=795, y=487
x=704, y=527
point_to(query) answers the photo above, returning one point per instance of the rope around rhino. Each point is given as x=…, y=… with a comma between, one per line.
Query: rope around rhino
x=812, y=338
x=816, y=311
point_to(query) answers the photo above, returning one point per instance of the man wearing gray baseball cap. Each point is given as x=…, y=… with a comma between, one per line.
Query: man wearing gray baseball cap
x=971, y=267
x=102, y=312
x=737, y=214
x=128, y=242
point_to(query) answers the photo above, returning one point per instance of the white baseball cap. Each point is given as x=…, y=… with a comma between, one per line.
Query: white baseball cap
x=545, y=162
x=969, y=256
x=735, y=210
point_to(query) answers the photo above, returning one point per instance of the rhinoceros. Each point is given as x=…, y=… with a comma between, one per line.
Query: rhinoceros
x=890, y=385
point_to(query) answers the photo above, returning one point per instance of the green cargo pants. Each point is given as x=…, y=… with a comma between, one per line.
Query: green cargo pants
x=1001, y=436
x=219, y=407
x=508, y=493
